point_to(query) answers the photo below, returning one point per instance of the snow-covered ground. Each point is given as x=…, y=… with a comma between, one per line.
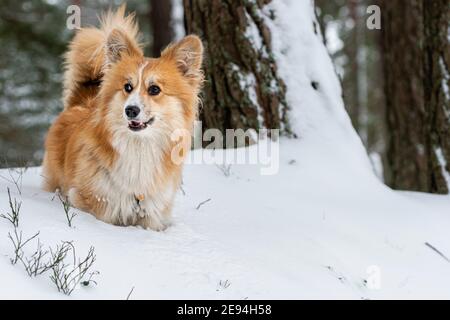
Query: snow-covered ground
x=323, y=227
x=311, y=231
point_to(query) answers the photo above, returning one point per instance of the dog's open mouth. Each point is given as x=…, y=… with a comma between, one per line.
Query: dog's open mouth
x=138, y=125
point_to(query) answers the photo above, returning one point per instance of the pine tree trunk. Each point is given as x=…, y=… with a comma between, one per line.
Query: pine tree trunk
x=436, y=91
x=414, y=37
x=352, y=78
x=160, y=19
x=402, y=55
x=242, y=87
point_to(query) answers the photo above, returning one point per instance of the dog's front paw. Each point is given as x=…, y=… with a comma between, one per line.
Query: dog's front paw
x=153, y=224
x=151, y=217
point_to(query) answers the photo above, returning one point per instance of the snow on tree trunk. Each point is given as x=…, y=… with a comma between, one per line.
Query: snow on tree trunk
x=316, y=114
x=437, y=94
x=242, y=87
x=304, y=84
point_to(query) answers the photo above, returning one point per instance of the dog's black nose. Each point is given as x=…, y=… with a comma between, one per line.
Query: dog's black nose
x=132, y=111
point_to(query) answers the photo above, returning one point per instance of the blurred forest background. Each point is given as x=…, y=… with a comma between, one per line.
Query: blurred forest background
x=356, y=52
x=34, y=36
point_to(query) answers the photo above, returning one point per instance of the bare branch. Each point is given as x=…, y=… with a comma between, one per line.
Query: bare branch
x=202, y=203
x=66, y=277
x=12, y=216
x=19, y=244
x=129, y=294
x=437, y=251
x=70, y=215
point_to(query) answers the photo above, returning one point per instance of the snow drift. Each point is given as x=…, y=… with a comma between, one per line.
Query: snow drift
x=323, y=227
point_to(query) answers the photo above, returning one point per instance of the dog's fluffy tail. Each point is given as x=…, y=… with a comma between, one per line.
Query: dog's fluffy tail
x=85, y=61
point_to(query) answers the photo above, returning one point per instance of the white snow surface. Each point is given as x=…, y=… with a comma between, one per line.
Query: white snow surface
x=311, y=231
x=315, y=230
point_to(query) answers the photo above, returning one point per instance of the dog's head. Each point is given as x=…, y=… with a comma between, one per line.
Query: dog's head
x=150, y=96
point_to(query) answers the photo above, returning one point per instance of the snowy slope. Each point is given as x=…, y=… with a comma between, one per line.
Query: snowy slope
x=317, y=229
x=312, y=231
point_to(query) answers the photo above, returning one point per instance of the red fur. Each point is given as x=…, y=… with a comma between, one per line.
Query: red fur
x=91, y=154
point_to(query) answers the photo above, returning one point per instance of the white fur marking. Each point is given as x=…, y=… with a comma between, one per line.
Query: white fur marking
x=135, y=99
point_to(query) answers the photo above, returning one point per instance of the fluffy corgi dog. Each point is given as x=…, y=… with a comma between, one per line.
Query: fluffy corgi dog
x=110, y=152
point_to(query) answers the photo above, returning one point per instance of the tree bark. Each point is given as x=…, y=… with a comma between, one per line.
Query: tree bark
x=436, y=91
x=161, y=23
x=242, y=87
x=352, y=78
x=414, y=37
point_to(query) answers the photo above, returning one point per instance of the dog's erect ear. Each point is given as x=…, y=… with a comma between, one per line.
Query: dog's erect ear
x=188, y=55
x=118, y=44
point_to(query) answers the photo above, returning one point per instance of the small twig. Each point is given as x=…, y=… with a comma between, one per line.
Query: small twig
x=225, y=284
x=202, y=203
x=87, y=282
x=35, y=265
x=129, y=294
x=181, y=187
x=12, y=216
x=16, y=180
x=225, y=168
x=66, y=206
x=19, y=244
x=66, y=278
x=437, y=251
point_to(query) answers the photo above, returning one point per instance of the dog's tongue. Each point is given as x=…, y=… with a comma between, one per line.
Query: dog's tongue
x=135, y=124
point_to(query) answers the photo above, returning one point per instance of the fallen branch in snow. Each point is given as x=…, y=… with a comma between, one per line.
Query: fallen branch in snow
x=437, y=251
x=202, y=203
x=12, y=216
x=129, y=294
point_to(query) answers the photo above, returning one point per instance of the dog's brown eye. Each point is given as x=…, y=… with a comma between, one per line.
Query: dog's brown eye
x=128, y=88
x=154, y=90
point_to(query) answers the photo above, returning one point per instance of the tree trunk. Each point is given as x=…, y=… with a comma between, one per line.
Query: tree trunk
x=161, y=23
x=436, y=91
x=352, y=78
x=242, y=87
x=414, y=36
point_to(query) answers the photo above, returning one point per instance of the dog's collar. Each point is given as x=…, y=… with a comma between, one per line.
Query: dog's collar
x=139, y=197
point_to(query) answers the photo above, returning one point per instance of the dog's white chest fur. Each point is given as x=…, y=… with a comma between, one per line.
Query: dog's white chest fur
x=134, y=175
x=137, y=165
